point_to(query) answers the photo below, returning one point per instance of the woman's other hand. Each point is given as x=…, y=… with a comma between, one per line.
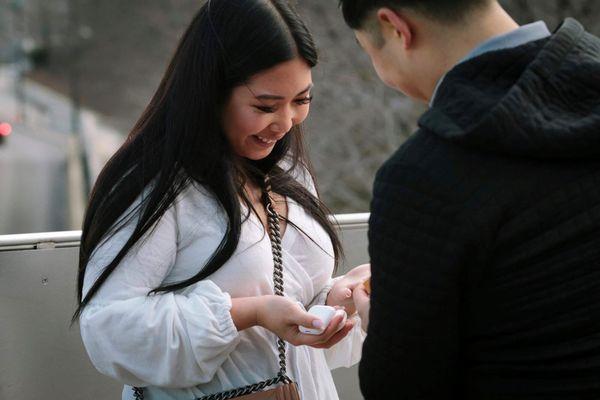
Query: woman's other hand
x=283, y=316
x=341, y=292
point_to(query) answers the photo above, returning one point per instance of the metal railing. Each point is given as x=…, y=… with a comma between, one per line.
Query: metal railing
x=45, y=240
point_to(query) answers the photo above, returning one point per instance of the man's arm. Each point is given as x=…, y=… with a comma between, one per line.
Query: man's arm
x=417, y=242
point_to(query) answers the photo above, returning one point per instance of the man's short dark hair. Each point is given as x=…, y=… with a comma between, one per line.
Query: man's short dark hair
x=446, y=11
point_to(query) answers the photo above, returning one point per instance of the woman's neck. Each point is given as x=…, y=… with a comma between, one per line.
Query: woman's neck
x=253, y=192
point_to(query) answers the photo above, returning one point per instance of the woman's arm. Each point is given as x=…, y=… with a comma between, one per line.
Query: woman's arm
x=244, y=312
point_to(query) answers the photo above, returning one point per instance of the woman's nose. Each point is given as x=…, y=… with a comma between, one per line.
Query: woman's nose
x=284, y=123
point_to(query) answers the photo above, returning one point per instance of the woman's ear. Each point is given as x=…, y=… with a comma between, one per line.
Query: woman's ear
x=395, y=25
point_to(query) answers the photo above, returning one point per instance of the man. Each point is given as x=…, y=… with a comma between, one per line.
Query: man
x=484, y=234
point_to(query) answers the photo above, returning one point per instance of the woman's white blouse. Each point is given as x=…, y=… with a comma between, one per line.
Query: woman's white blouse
x=185, y=345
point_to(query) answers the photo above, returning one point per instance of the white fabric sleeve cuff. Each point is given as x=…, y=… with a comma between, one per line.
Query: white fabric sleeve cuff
x=168, y=340
x=348, y=351
x=321, y=297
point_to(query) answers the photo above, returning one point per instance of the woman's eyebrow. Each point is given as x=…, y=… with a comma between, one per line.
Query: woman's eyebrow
x=275, y=97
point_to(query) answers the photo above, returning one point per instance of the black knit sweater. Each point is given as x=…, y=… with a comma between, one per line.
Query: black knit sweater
x=484, y=235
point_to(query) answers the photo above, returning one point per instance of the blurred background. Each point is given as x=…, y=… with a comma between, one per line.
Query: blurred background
x=76, y=74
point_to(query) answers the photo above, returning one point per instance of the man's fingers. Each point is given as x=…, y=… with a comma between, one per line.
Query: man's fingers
x=360, y=295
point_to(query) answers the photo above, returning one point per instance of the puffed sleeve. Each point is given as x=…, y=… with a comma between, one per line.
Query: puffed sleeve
x=168, y=340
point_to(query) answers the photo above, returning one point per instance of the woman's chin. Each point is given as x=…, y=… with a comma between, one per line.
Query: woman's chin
x=257, y=156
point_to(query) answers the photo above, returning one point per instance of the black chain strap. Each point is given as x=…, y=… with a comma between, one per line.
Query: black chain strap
x=275, y=236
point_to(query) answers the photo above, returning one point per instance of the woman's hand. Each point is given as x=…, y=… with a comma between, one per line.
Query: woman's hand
x=283, y=316
x=341, y=292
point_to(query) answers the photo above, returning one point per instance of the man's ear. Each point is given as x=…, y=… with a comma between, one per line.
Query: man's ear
x=396, y=24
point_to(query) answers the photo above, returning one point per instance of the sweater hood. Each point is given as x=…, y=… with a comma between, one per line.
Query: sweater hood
x=538, y=100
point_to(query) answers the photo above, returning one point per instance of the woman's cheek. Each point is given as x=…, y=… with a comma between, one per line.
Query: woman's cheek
x=257, y=123
x=303, y=114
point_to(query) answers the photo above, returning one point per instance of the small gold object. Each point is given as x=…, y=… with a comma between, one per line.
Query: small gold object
x=367, y=285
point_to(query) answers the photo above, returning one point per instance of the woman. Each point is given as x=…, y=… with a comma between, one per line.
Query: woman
x=176, y=270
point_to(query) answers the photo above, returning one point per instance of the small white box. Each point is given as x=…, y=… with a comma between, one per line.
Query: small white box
x=325, y=314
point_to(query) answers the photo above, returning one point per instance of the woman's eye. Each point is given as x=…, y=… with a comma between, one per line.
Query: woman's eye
x=306, y=100
x=264, y=109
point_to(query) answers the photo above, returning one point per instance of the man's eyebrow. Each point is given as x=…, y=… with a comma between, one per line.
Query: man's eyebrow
x=275, y=97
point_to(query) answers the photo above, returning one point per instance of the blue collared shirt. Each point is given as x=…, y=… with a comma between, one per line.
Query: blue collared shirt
x=524, y=34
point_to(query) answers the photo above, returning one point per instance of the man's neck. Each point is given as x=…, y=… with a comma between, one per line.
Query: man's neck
x=458, y=43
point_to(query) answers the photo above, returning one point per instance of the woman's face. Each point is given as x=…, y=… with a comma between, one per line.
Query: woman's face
x=264, y=110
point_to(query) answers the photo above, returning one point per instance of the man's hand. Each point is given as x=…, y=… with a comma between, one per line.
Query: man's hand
x=362, y=301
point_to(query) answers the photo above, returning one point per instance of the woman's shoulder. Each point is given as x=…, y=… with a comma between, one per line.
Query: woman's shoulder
x=194, y=213
x=194, y=199
x=196, y=206
x=197, y=198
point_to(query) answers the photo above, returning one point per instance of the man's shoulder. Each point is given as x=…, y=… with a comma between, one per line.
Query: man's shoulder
x=425, y=152
x=436, y=168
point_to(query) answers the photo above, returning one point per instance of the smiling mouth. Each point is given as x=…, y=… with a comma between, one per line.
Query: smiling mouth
x=264, y=140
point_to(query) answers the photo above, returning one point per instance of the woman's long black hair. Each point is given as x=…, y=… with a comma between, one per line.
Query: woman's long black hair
x=179, y=140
